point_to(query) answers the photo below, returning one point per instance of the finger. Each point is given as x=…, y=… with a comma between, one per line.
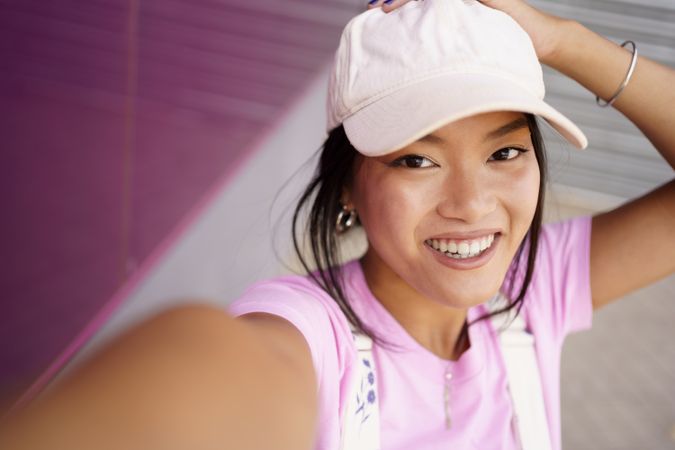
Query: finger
x=375, y=4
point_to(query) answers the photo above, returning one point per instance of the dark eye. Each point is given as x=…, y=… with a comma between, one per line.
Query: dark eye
x=507, y=153
x=413, y=162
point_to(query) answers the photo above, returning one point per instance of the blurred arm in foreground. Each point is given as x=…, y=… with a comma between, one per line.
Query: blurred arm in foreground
x=190, y=378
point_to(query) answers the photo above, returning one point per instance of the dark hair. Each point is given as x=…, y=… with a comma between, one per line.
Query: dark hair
x=323, y=195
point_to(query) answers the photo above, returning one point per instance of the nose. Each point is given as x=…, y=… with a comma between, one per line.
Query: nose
x=467, y=196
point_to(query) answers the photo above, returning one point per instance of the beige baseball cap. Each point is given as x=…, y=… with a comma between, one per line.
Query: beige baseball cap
x=399, y=76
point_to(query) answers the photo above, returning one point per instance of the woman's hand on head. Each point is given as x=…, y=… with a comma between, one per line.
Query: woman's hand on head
x=544, y=29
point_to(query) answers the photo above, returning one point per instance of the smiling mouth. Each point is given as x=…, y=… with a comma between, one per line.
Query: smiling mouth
x=462, y=249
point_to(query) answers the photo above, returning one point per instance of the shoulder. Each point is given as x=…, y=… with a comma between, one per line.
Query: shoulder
x=559, y=294
x=296, y=296
x=296, y=308
x=307, y=307
x=559, y=240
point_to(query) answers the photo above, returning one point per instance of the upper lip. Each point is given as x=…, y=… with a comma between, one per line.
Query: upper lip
x=467, y=235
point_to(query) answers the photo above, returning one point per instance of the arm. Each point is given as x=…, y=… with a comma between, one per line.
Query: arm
x=634, y=244
x=190, y=378
x=600, y=65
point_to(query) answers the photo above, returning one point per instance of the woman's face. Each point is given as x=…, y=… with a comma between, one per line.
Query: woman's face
x=446, y=214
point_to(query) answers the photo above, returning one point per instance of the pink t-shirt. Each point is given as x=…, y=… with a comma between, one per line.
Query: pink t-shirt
x=410, y=378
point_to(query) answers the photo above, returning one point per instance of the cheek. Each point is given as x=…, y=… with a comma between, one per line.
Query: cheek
x=521, y=201
x=386, y=213
x=390, y=210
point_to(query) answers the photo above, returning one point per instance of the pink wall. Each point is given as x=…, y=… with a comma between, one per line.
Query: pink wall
x=117, y=117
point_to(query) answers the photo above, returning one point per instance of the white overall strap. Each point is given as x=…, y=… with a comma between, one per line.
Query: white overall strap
x=361, y=417
x=524, y=380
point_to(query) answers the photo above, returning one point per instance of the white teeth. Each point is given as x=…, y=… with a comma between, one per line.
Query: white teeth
x=463, y=249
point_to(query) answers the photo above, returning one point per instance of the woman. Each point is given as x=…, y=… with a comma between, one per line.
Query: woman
x=452, y=213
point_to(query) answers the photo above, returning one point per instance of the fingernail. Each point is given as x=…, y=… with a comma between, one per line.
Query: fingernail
x=388, y=1
x=372, y=2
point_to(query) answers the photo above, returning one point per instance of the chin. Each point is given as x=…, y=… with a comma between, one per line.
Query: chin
x=467, y=296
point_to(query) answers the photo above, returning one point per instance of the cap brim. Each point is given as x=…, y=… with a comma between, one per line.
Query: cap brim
x=406, y=115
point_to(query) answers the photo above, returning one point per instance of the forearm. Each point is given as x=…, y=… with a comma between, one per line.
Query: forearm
x=193, y=379
x=600, y=65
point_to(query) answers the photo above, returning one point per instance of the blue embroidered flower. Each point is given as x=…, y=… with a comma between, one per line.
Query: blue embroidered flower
x=365, y=395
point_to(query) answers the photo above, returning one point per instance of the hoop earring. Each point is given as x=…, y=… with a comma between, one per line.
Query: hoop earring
x=345, y=220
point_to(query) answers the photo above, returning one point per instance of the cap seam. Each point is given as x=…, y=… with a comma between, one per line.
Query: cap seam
x=425, y=77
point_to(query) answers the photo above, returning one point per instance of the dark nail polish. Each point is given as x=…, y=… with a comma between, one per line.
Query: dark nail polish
x=388, y=2
x=372, y=2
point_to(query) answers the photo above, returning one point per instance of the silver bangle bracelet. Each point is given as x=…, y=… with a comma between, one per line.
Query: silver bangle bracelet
x=629, y=74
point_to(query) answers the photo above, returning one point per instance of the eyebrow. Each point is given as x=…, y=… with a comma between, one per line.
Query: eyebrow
x=510, y=127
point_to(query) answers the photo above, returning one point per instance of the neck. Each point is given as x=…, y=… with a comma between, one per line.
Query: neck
x=441, y=329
